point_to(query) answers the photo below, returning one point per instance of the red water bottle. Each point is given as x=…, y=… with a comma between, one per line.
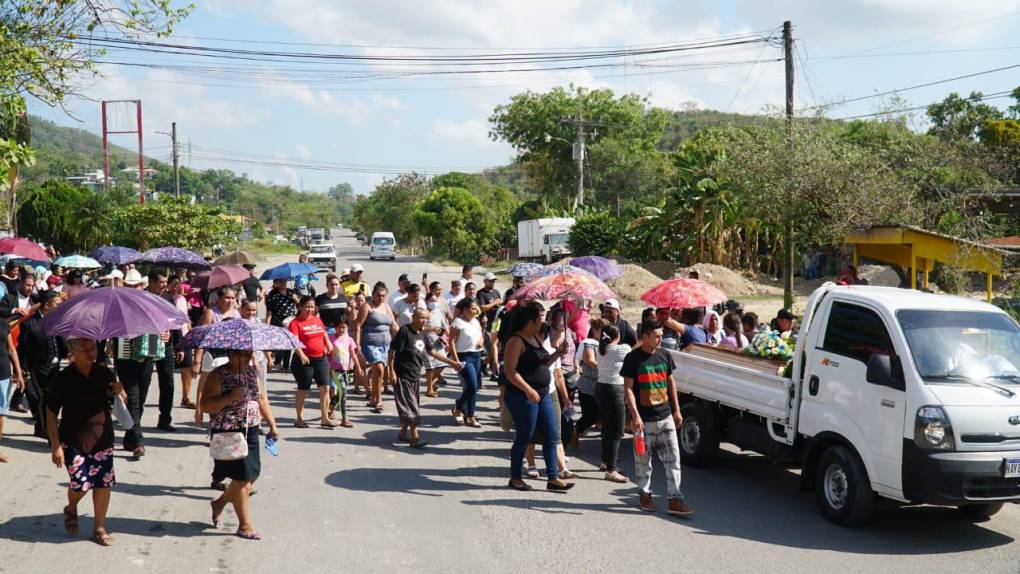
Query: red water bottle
x=639, y=443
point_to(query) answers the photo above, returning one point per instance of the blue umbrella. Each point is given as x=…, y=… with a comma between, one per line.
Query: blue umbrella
x=288, y=271
x=78, y=262
x=115, y=255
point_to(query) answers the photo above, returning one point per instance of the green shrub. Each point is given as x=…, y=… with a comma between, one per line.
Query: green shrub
x=597, y=233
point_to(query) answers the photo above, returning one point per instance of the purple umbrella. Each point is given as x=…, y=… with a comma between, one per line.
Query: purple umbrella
x=241, y=335
x=600, y=267
x=106, y=313
x=558, y=269
x=175, y=257
x=115, y=255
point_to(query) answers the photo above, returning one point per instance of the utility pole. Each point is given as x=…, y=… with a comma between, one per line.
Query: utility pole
x=579, y=155
x=788, y=257
x=177, y=174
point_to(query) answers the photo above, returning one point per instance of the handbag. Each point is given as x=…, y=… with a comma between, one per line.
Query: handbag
x=230, y=445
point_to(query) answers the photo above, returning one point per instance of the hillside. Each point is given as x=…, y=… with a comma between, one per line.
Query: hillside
x=64, y=151
x=685, y=124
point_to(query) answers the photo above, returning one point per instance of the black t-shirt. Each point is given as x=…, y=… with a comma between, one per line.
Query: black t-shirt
x=84, y=407
x=410, y=351
x=484, y=297
x=331, y=311
x=533, y=368
x=627, y=334
x=251, y=287
x=281, y=305
x=650, y=372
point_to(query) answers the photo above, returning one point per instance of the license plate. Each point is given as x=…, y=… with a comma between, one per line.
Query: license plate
x=1011, y=468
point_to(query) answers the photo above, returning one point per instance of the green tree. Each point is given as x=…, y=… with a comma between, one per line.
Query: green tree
x=172, y=221
x=1003, y=137
x=456, y=222
x=48, y=213
x=597, y=233
x=627, y=121
x=956, y=117
x=390, y=206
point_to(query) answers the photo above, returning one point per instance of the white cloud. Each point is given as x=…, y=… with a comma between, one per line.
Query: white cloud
x=303, y=151
x=470, y=132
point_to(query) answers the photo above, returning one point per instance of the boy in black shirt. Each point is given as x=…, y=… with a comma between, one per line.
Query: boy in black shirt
x=652, y=402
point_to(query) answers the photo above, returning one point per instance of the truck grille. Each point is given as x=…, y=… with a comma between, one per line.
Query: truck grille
x=994, y=487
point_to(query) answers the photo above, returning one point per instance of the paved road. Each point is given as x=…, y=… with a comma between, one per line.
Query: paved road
x=352, y=500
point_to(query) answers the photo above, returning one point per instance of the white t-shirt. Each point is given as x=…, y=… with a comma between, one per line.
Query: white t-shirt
x=404, y=311
x=469, y=338
x=395, y=296
x=611, y=363
x=553, y=367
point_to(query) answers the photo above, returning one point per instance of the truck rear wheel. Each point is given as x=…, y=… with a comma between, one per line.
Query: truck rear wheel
x=842, y=487
x=699, y=438
x=980, y=512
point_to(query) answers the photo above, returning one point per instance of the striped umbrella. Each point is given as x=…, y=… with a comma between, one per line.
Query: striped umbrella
x=683, y=294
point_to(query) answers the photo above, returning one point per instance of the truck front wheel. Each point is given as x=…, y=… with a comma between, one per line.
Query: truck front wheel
x=980, y=512
x=842, y=487
x=699, y=438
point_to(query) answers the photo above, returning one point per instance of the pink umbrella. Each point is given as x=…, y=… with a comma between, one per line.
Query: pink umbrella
x=23, y=248
x=682, y=294
x=221, y=275
x=564, y=285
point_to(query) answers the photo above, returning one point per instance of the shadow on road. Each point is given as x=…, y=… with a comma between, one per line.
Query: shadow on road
x=50, y=528
x=414, y=480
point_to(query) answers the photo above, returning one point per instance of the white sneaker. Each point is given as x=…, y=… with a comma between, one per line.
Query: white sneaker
x=532, y=472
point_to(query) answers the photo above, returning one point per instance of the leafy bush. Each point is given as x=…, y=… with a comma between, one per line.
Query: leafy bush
x=597, y=233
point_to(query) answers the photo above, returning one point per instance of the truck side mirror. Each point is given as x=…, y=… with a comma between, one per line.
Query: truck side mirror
x=883, y=371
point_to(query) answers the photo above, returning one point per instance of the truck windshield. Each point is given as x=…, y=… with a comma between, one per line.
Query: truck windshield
x=975, y=345
x=322, y=249
x=558, y=239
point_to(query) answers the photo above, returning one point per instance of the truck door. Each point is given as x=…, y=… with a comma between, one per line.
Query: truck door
x=840, y=399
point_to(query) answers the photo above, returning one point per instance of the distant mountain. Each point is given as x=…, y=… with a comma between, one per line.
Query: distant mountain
x=64, y=151
x=684, y=124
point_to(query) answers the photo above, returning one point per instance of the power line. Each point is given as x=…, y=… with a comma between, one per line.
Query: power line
x=929, y=35
x=992, y=96
x=914, y=87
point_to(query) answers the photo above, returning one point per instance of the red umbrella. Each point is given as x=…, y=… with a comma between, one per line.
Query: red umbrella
x=682, y=294
x=23, y=248
x=563, y=285
x=221, y=275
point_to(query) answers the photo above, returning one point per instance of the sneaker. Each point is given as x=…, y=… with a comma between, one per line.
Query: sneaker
x=677, y=507
x=645, y=502
x=532, y=472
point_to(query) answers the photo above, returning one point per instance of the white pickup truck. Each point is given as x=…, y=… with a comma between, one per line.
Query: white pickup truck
x=906, y=395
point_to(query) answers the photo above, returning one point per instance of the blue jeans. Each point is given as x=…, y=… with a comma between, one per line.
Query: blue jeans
x=470, y=380
x=527, y=416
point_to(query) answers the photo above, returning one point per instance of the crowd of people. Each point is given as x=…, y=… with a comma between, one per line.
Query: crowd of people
x=357, y=339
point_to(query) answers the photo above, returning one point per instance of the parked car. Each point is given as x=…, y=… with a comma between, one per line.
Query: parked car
x=323, y=256
x=384, y=246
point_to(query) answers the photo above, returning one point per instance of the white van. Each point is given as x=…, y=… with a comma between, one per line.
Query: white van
x=383, y=246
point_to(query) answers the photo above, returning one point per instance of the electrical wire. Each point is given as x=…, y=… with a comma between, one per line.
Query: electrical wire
x=992, y=96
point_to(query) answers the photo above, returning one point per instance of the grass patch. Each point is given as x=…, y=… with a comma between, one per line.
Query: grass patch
x=267, y=246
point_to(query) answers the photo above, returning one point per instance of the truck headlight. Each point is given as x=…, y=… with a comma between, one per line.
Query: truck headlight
x=932, y=429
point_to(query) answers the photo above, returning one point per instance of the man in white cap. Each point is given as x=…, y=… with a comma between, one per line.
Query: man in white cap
x=115, y=278
x=134, y=279
x=611, y=313
x=353, y=284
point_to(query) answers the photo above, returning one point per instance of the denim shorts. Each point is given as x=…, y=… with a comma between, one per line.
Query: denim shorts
x=5, y=396
x=317, y=371
x=375, y=353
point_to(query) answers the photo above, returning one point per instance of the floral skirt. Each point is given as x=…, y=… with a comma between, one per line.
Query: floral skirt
x=88, y=471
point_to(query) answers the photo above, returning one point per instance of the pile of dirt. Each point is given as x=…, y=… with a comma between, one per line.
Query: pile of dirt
x=663, y=269
x=633, y=283
x=730, y=282
x=879, y=275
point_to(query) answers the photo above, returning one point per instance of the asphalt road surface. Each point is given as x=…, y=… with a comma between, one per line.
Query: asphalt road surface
x=354, y=500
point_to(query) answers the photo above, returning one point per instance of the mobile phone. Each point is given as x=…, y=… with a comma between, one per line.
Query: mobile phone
x=424, y=279
x=271, y=446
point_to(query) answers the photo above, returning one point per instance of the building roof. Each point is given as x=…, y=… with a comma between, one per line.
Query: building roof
x=1012, y=242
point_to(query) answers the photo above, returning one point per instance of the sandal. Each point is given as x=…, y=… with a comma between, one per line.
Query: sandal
x=473, y=423
x=458, y=417
x=187, y=404
x=102, y=537
x=250, y=535
x=377, y=409
x=347, y=424
x=567, y=474
x=432, y=395
x=70, y=522
x=301, y=424
x=329, y=425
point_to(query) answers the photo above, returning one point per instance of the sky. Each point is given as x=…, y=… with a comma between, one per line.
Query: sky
x=263, y=118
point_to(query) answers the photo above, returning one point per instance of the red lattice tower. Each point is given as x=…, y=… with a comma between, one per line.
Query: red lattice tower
x=123, y=117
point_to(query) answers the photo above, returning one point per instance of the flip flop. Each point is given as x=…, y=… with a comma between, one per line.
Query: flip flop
x=102, y=538
x=301, y=424
x=347, y=424
x=248, y=535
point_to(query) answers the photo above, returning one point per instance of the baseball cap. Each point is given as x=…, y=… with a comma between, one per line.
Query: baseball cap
x=345, y=271
x=115, y=274
x=132, y=277
x=403, y=277
x=357, y=267
x=490, y=276
x=612, y=304
x=785, y=314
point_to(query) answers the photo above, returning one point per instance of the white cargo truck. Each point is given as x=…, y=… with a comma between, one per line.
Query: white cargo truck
x=544, y=239
x=898, y=394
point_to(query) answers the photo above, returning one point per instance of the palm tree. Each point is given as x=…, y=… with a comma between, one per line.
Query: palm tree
x=92, y=225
